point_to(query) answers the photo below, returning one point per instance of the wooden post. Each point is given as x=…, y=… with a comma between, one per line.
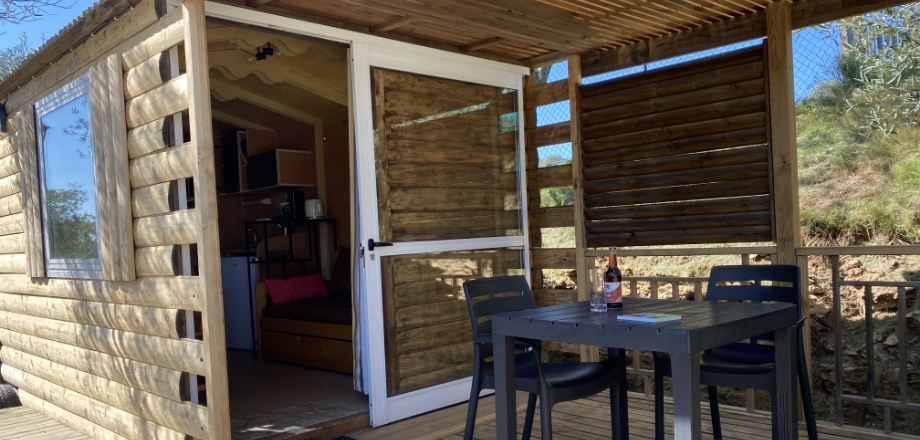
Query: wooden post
x=588, y=353
x=782, y=131
x=783, y=143
x=199, y=94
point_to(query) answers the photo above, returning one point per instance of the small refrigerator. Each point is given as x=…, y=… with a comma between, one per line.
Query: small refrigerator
x=239, y=280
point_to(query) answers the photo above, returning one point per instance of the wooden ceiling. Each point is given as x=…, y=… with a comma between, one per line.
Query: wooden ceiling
x=303, y=81
x=514, y=30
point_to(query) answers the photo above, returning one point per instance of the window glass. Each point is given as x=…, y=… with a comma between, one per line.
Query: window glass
x=68, y=182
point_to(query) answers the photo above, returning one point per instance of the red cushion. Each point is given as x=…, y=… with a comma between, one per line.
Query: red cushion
x=293, y=289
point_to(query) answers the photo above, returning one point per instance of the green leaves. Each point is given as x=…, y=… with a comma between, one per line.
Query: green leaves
x=880, y=68
x=12, y=57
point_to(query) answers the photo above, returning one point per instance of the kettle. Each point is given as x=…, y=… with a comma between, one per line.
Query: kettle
x=313, y=208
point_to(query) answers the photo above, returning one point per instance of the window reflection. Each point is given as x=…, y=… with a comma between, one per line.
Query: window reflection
x=70, y=196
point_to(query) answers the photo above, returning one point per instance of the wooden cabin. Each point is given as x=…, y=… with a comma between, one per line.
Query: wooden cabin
x=172, y=174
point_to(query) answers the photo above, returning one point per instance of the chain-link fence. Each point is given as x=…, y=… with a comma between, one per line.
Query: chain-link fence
x=559, y=154
x=815, y=52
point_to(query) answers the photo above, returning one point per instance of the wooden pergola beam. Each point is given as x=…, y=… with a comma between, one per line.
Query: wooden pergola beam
x=804, y=13
x=257, y=3
x=481, y=44
x=395, y=23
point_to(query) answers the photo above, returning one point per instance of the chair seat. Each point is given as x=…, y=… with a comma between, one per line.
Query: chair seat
x=563, y=375
x=714, y=363
x=524, y=365
x=745, y=353
x=557, y=374
x=570, y=374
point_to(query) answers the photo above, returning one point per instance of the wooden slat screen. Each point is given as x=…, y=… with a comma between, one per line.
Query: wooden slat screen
x=679, y=155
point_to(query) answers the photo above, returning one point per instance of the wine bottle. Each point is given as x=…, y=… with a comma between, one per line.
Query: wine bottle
x=613, y=285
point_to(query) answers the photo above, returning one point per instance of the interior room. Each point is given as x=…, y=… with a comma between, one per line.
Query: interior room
x=280, y=109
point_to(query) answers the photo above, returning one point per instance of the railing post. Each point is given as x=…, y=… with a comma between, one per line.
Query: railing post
x=805, y=300
x=838, y=340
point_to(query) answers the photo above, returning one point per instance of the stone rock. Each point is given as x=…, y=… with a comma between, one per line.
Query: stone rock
x=820, y=312
x=884, y=301
x=816, y=290
x=892, y=341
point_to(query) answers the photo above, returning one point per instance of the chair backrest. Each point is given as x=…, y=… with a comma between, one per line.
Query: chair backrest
x=757, y=284
x=488, y=296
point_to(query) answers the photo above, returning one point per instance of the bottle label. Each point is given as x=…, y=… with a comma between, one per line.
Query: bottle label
x=613, y=292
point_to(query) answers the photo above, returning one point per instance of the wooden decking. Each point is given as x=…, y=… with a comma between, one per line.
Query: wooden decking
x=26, y=423
x=589, y=419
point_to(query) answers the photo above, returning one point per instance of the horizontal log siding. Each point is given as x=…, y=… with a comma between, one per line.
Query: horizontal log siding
x=678, y=155
x=163, y=382
x=105, y=357
x=77, y=423
x=167, y=323
x=188, y=418
x=181, y=355
x=107, y=416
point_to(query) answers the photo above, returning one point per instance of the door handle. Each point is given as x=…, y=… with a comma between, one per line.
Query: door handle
x=371, y=244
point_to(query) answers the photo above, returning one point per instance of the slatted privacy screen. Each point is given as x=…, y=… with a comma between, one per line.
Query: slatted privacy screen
x=679, y=155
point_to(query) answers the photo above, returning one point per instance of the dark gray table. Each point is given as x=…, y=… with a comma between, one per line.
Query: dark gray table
x=703, y=325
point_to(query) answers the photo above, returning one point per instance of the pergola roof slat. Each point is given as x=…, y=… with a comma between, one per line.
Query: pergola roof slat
x=609, y=34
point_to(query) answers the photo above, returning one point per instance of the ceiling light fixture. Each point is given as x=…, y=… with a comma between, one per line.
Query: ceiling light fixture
x=262, y=53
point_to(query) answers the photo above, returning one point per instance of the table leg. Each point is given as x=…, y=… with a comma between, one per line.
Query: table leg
x=685, y=373
x=619, y=408
x=505, y=405
x=786, y=424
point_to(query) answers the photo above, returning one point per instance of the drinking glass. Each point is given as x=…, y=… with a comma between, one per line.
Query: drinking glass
x=596, y=290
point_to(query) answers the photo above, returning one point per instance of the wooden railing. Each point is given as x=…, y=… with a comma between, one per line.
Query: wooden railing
x=838, y=283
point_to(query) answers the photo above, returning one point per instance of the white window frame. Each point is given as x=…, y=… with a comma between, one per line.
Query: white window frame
x=86, y=268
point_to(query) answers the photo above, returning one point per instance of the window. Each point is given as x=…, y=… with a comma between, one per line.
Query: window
x=68, y=182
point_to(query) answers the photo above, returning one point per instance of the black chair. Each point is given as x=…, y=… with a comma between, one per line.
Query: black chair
x=552, y=382
x=744, y=364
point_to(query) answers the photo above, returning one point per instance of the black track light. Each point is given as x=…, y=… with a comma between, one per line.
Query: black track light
x=262, y=53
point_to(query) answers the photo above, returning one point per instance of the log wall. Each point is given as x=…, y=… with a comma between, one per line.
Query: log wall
x=679, y=155
x=110, y=358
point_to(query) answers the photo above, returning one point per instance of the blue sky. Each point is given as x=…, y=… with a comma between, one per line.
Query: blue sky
x=48, y=26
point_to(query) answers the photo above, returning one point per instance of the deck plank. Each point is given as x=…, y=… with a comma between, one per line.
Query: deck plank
x=23, y=423
x=589, y=419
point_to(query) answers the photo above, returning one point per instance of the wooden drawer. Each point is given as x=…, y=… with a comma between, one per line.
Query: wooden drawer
x=327, y=354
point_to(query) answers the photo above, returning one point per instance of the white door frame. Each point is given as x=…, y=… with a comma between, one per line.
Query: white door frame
x=367, y=51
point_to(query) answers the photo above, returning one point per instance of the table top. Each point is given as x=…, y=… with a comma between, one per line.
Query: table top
x=703, y=324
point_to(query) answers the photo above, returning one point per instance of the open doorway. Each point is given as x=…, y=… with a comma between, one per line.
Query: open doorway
x=280, y=110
